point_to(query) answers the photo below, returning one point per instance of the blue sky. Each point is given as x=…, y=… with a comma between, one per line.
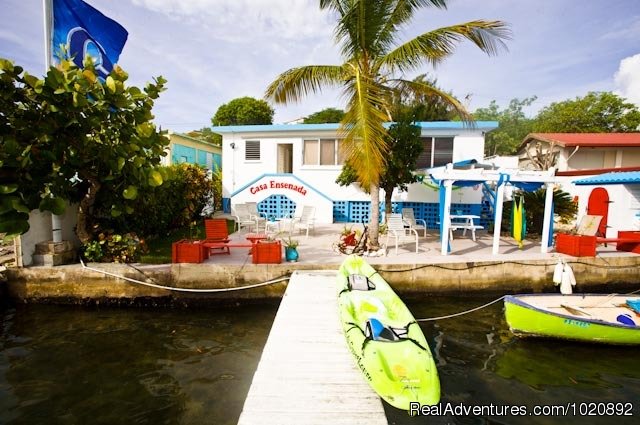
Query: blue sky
x=212, y=51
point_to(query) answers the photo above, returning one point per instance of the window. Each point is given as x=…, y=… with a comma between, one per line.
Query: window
x=442, y=151
x=437, y=151
x=310, y=152
x=327, y=152
x=321, y=152
x=252, y=150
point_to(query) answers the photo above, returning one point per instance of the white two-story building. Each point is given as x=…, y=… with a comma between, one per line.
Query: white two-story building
x=282, y=166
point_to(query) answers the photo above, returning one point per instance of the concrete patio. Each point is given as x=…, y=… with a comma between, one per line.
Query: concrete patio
x=317, y=248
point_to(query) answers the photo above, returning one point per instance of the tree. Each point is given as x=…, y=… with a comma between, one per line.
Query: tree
x=69, y=136
x=405, y=146
x=367, y=32
x=514, y=126
x=328, y=115
x=597, y=112
x=243, y=111
x=424, y=107
x=206, y=134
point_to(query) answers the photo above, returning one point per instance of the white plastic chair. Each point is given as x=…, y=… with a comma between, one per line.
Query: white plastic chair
x=306, y=219
x=243, y=217
x=396, y=229
x=412, y=221
x=260, y=218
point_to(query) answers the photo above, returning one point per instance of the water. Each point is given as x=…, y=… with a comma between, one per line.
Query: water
x=79, y=366
x=102, y=365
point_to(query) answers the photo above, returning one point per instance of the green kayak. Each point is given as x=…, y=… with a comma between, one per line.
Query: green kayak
x=387, y=343
x=601, y=318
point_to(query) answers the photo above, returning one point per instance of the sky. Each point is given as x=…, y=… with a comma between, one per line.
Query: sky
x=213, y=51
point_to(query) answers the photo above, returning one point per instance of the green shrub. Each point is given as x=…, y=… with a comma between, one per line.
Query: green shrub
x=114, y=248
x=159, y=210
x=563, y=207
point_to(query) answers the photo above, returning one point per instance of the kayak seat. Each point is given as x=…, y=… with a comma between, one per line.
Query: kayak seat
x=359, y=282
x=377, y=331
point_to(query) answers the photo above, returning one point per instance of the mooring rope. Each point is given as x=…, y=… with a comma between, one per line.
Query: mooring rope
x=173, y=288
x=449, y=316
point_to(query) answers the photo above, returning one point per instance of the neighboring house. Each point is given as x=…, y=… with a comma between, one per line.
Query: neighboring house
x=580, y=151
x=600, y=170
x=282, y=166
x=184, y=148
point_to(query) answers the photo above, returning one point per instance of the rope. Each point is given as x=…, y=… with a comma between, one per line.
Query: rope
x=449, y=316
x=172, y=288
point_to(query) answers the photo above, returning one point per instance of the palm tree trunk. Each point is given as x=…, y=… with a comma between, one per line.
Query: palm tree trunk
x=374, y=228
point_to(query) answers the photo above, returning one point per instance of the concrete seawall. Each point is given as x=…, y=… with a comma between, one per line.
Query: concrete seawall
x=74, y=284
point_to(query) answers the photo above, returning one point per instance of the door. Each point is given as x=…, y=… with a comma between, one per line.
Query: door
x=599, y=205
x=285, y=158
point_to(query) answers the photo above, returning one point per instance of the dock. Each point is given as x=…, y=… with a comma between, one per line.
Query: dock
x=306, y=374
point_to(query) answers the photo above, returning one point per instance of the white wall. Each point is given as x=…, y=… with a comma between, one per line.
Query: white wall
x=236, y=172
x=40, y=231
x=624, y=211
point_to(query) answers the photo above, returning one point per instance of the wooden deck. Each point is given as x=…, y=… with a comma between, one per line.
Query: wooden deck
x=306, y=374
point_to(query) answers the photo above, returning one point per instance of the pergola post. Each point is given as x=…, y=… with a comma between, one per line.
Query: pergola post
x=546, y=223
x=446, y=217
x=497, y=225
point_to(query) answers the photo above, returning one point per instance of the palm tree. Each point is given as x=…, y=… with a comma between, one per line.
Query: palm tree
x=367, y=33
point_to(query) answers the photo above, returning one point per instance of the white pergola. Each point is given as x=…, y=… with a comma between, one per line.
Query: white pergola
x=449, y=175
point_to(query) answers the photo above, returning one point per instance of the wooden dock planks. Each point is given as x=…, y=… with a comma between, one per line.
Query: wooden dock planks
x=306, y=374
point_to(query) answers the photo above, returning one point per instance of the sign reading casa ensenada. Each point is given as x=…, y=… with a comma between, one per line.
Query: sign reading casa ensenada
x=276, y=184
x=284, y=167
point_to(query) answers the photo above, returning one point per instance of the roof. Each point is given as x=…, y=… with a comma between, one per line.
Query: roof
x=593, y=140
x=433, y=125
x=195, y=140
x=628, y=177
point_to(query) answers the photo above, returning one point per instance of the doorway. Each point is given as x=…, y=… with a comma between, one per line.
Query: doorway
x=599, y=205
x=285, y=158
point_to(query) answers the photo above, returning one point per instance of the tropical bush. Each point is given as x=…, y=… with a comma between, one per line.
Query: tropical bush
x=563, y=206
x=176, y=204
x=114, y=248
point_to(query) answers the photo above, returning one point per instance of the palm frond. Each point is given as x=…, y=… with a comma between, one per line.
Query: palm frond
x=294, y=84
x=433, y=46
x=400, y=13
x=425, y=88
x=362, y=128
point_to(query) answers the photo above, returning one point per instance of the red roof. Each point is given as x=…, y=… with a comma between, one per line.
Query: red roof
x=593, y=140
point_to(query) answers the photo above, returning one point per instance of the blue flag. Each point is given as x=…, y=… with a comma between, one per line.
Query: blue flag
x=82, y=31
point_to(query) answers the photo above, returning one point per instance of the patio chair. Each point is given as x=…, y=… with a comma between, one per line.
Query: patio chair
x=261, y=218
x=396, y=229
x=217, y=234
x=409, y=218
x=243, y=217
x=306, y=219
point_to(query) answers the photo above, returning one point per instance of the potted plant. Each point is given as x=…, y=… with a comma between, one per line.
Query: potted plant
x=291, y=250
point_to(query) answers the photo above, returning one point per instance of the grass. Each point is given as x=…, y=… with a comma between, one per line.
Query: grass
x=160, y=246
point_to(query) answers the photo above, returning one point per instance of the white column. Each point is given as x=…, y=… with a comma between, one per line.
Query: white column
x=498, y=220
x=546, y=223
x=446, y=218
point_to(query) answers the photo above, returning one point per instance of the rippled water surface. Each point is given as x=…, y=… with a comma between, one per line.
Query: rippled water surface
x=81, y=366
x=194, y=366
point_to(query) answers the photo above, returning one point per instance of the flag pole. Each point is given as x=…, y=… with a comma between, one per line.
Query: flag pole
x=56, y=220
x=48, y=39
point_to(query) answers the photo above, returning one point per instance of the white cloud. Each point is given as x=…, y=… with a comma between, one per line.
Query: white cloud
x=235, y=20
x=627, y=79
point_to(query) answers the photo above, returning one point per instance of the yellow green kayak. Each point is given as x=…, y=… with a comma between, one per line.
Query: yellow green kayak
x=384, y=338
x=602, y=318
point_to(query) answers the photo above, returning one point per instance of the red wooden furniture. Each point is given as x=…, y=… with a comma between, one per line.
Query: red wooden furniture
x=267, y=252
x=585, y=246
x=576, y=245
x=185, y=251
x=217, y=235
